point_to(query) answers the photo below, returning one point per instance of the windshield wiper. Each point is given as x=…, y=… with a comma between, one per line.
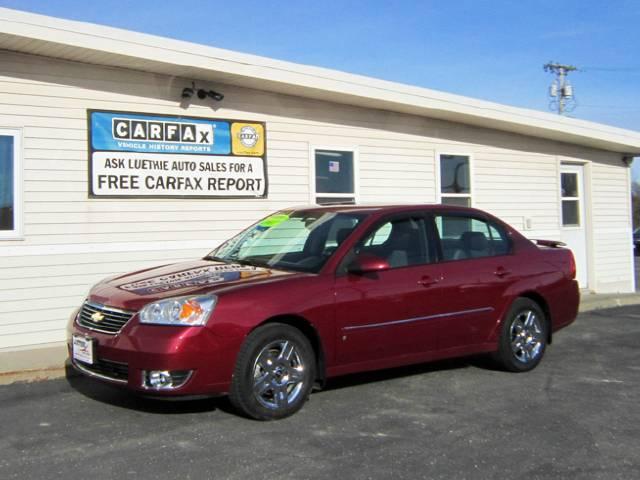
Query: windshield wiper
x=243, y=261
x=213, y=258
x=251, y=263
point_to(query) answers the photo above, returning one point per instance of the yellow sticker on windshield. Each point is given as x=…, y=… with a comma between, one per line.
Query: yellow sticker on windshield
x=274, y=220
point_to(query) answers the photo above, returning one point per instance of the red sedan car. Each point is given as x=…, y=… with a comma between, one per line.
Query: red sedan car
x=312, y=293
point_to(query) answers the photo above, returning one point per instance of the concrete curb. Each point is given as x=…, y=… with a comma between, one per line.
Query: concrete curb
x=591, y=302
x=28, y=376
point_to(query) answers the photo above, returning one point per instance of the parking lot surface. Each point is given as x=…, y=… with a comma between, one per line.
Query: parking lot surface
x=576, y=416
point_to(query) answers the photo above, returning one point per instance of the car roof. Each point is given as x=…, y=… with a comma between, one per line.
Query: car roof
x=387, y=208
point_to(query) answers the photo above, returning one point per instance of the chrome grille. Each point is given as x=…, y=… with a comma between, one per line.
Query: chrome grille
x=113, y=319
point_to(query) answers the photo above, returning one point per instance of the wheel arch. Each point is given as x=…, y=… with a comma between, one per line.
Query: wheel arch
x=309, y=331
x=544, y=305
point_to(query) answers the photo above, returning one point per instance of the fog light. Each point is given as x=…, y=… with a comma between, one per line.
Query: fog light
x=165, y=379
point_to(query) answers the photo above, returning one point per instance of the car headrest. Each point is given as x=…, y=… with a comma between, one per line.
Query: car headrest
x=404, y=227
x=342, y=234
x=474, y=241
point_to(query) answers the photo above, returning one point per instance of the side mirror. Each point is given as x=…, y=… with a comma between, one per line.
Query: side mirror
x=367, y=263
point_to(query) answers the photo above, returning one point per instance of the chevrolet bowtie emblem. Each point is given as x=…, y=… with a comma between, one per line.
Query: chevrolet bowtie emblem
x=97, y=317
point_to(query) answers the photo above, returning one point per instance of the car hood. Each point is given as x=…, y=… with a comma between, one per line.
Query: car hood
x=131, y=291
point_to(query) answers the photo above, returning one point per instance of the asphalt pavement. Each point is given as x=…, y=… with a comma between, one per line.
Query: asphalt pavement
x=577, y=416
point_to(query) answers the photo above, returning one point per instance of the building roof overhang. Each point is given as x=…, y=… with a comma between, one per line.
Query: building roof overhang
x=89, y=43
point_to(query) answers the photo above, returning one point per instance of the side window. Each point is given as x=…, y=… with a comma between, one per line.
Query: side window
x=402, y=242
x=499, y=241
x=380, y=236
x=466, y=237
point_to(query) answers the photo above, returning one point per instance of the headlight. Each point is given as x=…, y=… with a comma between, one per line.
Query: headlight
x=180, y=311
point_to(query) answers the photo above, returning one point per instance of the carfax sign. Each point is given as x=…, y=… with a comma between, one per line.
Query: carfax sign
x=140, y=155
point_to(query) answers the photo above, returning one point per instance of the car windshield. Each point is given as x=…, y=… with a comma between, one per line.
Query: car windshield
x=289, y=240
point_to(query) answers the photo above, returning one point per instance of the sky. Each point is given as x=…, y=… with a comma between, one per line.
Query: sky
x=488, y=49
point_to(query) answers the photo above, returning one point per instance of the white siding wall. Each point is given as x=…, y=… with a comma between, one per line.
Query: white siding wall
x=70, y=241
x=515, y=185
x=611, y=219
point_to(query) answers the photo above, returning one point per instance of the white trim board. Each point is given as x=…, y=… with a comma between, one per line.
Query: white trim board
x=78, y=248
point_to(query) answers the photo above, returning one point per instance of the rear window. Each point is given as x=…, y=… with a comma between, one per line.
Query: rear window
x=463, y=237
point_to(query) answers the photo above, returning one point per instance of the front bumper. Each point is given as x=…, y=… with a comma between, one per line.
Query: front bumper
x=123, y=358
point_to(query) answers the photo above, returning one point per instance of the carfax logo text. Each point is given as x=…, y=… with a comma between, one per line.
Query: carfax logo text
x=157, y=131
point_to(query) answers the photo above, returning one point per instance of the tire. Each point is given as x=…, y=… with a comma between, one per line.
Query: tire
x=274, y=373
x=523, y=337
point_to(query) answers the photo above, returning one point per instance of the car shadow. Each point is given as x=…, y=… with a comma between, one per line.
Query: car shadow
x=478, y=361
x=122, y=398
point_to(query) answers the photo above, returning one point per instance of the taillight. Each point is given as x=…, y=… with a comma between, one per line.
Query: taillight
x=572, y=266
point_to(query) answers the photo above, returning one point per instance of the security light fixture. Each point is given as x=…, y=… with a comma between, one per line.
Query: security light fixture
x=202, y=94
x=217, y=96
x=189, y=92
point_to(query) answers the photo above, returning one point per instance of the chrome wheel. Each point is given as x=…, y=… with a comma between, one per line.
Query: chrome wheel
x=527, y=336
x=278, y=375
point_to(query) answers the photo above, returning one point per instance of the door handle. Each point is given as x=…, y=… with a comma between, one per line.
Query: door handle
x=501, y=272
x=427, y=281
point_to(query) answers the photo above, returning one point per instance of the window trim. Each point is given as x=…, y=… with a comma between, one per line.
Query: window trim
x=438, y=173
x=17, y=232
x=312, y=172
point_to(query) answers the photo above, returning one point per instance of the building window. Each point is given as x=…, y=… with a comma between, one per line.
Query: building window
x=334, y=177
x=570, y=199
x=455, y=180
x=10, y=169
